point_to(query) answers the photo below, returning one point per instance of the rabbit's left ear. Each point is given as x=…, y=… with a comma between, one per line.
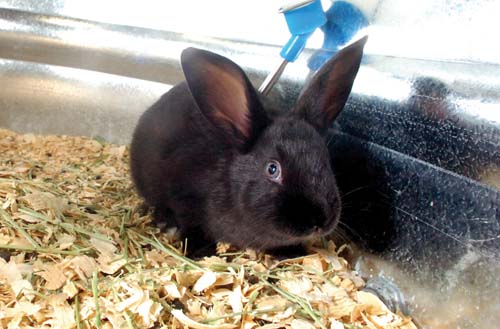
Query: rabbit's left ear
x=325, y=96
x=224, y=95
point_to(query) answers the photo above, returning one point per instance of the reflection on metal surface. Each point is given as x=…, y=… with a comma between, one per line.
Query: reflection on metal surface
x=460, y=30
x=418, y=151
x=47, y=99
x=430, y=116
x=124, y=51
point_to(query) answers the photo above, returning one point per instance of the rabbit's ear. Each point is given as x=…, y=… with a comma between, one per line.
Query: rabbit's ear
x=326, y=94
x=225, y=96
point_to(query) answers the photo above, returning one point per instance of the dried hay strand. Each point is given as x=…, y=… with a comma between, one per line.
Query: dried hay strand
x=77, y=251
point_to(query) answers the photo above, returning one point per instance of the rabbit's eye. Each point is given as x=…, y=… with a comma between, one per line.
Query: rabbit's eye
x=273, y=171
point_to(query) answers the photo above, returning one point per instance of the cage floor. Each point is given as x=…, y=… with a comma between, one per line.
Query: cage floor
x=78, y=251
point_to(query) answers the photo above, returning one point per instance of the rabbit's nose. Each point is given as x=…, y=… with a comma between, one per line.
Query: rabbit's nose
x=330, y=223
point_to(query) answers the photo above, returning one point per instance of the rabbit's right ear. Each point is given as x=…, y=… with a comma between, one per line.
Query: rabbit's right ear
x=325, y=96
x=225, y=96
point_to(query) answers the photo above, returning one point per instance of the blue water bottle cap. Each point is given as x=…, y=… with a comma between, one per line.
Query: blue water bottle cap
x=303, y=17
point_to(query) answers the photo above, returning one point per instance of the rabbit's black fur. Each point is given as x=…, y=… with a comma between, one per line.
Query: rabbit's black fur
x=201, y=156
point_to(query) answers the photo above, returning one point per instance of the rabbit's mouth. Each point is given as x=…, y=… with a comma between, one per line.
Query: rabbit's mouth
x=332, y=223
x=320, y=231
x=305, y=218
x=292, y=234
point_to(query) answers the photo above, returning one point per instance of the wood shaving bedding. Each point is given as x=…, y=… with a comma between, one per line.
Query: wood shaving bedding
x=78, y=251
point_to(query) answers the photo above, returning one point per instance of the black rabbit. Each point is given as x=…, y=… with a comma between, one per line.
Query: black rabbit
x=218, y=166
